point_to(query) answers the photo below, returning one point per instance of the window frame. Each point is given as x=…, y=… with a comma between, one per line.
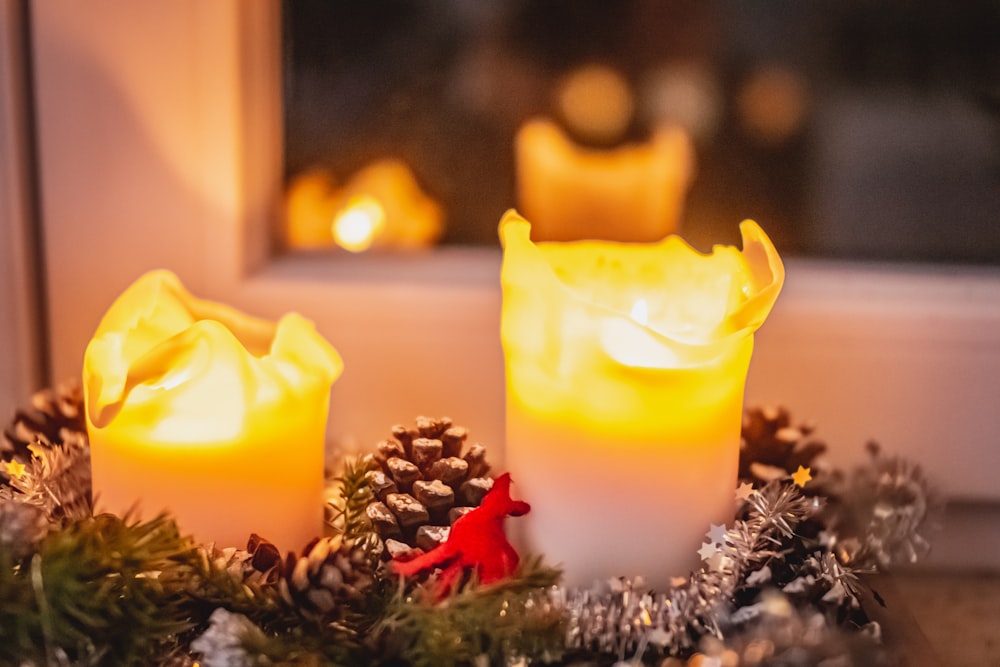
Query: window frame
x=190, y=144
x=21, y=331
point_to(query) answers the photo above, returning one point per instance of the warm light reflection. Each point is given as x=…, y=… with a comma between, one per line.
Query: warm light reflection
x=380, y=206
x=640, y=312
x=596, y=102
x=635, y=346
x=309, y=206
x=358, y=224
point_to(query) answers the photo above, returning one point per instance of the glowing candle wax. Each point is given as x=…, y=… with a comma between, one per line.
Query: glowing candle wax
x=216, y=417
x=629, y=193
x=625, y=372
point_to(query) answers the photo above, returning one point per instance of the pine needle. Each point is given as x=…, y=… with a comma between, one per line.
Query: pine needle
x=504, y=621
x=97, y=589
x=349, y=516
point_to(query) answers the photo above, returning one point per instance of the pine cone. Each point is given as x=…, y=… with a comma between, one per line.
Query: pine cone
x=21, y=527
x=254, y=566
x=422, y=482
x=224, y=641
x=50, y=440
x=56, y=416
x=771, y=447
x=323, y=583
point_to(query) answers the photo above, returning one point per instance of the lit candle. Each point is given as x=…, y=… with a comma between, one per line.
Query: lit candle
x=630, y=193
x=309, y=208
x=382, y=205
x=386, y=199
x=211, y=415
x=625, y=368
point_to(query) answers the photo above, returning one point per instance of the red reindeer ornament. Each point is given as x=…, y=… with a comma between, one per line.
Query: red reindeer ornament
x=476, y=540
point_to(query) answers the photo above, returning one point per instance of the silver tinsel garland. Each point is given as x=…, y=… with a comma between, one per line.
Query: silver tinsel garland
x=770, y=594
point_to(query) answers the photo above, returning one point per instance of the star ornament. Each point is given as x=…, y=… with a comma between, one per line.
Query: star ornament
x=744, y=491
x=717, y=535
x=801, y=476
x=707, y=550
x=14, y=469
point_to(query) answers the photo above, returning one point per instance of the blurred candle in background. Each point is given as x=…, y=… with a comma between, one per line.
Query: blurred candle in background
x=209, y=414
x=410, y=218
x=633, y=192
x=380, y=206
x=625, y=370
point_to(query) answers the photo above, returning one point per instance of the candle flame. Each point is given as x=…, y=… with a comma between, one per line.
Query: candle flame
x=357, y=225
x=640, y=312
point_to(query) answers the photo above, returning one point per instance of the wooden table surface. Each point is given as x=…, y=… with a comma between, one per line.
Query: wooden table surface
x=956, y=616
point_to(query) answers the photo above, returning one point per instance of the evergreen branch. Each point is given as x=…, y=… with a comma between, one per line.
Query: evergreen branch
x=99, y=589
x=508, y=619
x=349, y=515
x=57, y=479
x=19, y=631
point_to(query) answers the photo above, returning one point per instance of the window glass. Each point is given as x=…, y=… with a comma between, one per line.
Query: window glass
x=847, y=129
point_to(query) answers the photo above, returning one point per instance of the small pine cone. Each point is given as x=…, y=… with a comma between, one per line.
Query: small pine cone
x=224, y=641
x=324, y=582
x=264, y=558
x=422, y=481
x=773, y=447
x=21, y=527
x=56, y=416
x=244, y=564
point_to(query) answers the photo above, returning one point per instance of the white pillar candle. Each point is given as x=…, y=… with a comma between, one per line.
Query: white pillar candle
x=213, y=416
x=625, y=373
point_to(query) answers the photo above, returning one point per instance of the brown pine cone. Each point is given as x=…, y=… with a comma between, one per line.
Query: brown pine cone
x=255, y=570
x=56, y=416
x=322, y=582
x=772, y=447
x=21, y=526
x=422, y=482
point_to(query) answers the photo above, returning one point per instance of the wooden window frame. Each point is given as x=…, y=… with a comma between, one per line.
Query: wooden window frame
x=21, y=330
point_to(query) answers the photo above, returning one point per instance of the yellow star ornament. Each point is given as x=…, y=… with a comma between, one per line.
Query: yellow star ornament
x=801, y=476
x=14, y=468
